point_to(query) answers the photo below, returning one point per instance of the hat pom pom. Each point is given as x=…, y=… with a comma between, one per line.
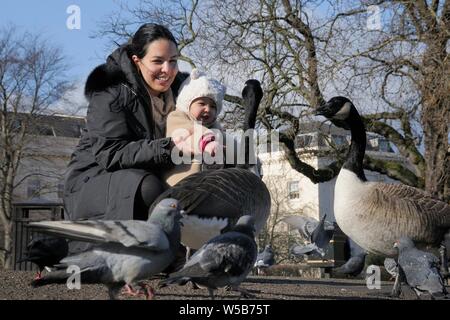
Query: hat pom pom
x=195, y=74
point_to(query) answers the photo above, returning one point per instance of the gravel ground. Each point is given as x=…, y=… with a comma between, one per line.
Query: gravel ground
x=14, y=285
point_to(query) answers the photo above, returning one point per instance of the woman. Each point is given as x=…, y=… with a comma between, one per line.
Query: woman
x=113, y=172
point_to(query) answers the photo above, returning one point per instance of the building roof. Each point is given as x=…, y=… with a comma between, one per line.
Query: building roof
x=52, y=125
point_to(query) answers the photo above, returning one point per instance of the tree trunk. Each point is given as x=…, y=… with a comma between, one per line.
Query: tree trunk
x=6, y=250
x=436, y=145
x=435, y=118
x=7, y=255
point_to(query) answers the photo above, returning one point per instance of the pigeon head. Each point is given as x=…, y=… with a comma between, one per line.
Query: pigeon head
x=246, y=220
x=167, y=214
x=338, y=110
x=404, y=243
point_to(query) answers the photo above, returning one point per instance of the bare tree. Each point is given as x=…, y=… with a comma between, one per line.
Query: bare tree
x=31, y=80
x=305, y=50
x=407, y=55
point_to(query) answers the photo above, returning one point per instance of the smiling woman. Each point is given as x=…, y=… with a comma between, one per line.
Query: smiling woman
x=158, y=67
x=113, y=173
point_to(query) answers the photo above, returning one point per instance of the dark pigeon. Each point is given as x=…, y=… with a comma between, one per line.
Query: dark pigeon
x=421, y=269
x=265, y=259
x=307, y=249
x=355, y=264
x=323, y=233
x=125, y=251
x=317, y=233
x=45, y=251
x=223, y=261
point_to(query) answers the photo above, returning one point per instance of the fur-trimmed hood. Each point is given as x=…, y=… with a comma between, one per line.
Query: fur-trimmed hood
x=103, y=77
x=120, y=69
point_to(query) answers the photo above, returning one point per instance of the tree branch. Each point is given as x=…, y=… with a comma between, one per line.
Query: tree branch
x=315, y=175
x=405, y=147
x=393, y=170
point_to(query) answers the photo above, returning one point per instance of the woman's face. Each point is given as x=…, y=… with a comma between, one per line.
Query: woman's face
x=159, y=66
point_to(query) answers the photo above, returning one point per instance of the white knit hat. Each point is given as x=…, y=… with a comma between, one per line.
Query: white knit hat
x=196, y=86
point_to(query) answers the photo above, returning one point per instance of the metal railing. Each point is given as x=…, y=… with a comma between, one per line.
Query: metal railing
x=23, y=214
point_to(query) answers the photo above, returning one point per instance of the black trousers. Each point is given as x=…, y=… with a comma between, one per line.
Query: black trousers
x=112, y=196
x=118, y=195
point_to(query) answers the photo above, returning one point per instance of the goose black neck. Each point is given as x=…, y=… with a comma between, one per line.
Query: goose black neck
x=249, y=126
x=357, y=150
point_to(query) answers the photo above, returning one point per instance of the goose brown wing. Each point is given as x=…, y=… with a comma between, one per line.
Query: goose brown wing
x=226, y=193
x=410, y=201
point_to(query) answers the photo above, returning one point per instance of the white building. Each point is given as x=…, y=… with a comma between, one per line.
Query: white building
x=46, y=155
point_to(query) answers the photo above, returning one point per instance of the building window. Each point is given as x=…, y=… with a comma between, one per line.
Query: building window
x=293, y=190
x=384, y=145
x=338, y=140
x=304, y=140
x=373, y=144
x=34, y=188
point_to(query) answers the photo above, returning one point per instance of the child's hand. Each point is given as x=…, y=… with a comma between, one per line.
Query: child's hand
x=183, y=142
x=212, y=148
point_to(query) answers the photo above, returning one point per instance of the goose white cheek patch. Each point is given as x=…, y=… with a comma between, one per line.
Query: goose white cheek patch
x=344, y=112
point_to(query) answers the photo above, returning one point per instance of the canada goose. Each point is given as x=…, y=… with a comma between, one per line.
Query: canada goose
x=214, y=200
x=376, y=214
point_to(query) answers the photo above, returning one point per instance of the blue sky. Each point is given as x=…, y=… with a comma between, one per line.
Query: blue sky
x=49, y=17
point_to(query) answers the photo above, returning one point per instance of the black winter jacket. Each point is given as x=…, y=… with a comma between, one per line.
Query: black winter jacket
x=120, y=131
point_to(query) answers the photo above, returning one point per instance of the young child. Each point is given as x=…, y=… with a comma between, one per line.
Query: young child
x=198, y=104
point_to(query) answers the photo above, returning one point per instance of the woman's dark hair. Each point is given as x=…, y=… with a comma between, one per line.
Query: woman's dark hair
x=145, y=35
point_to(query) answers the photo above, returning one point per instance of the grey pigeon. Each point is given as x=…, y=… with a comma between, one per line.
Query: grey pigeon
x=265, y=259
x=306, y=249
x=355, y=264
x=45, y=251
x=125, y=251
x=317, y=233
x=303, y=224
x=420, y=268
x=391, y=267
x=225, y=260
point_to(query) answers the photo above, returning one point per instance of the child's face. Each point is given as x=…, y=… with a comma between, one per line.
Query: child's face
x=204, y=109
